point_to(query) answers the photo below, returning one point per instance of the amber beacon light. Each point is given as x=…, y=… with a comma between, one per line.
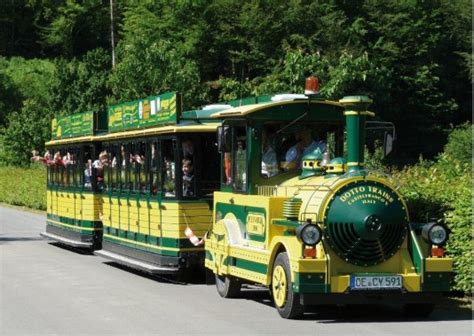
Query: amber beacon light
x=311, y=86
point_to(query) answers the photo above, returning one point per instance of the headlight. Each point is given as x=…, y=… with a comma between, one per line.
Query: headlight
x=309, y=234
x=434, y=233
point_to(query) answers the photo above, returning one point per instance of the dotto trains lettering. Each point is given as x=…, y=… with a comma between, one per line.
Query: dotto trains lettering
x=367, y=194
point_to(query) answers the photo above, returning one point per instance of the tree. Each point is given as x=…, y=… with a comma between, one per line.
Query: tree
x=72, y=28
x=80, y=84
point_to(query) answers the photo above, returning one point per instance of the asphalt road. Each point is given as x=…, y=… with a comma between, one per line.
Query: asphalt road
x=49, y=290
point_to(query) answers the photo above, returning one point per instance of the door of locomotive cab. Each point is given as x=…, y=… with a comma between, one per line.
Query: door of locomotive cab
x=237, y=145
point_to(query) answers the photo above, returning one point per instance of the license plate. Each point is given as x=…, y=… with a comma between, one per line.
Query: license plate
x=376, y=282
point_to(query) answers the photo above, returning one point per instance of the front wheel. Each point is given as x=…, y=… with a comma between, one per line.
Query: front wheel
x=287, y=302
x=227, y=287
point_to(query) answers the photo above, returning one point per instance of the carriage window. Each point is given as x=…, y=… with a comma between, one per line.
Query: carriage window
x=123, y=164
x=138, y=167
x=188, y=167
x=69, y=161
x=154, y=173
x=75, y=157
x=88, y=172
x=114, y=172
x=168, y=167
x=107, y=166
x=50, y=175
x=60, y=157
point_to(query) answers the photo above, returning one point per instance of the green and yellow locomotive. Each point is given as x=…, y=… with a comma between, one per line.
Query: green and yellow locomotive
x=297, y=215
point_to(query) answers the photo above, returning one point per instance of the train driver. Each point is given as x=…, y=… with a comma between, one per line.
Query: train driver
x=305, y=145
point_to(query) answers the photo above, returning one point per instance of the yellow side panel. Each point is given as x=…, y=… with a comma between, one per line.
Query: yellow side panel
x=144, y=218
x=309, y=266
x=261, y=257
x=77, y=206
x=91, y=207
x=186, y=206
x=123, y=206
x=111, y=211
x=168, y=220
x=412, y=282
x=133, y=217
x=50, y=199
x=339, y=283
x=155, y=232
x=74, y=205
x=438, y=264
x=245, y=274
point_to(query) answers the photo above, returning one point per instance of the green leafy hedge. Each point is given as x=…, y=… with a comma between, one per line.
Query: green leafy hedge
x=23, y=187
x=442, y=189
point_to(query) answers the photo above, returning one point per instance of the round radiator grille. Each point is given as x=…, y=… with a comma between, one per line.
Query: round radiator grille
x=365, y=223
x=351, y=247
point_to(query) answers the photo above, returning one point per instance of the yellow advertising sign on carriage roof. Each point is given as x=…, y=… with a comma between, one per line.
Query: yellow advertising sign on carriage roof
x=75, y=125
x=141, y=113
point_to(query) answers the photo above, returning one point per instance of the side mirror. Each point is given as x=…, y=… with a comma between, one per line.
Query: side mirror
x=387, y=144
x=389, y=134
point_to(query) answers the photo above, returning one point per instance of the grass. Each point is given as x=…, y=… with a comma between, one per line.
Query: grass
x=23, y=187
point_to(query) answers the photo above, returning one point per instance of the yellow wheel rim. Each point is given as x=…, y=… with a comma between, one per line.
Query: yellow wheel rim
x=279, y=283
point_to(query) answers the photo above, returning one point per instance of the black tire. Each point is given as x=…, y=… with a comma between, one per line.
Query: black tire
x=287, y=302
x=227, y=287
x=418, y=310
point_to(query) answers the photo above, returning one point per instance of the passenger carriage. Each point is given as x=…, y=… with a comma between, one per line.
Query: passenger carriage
x=73, y=198
x=150, y=210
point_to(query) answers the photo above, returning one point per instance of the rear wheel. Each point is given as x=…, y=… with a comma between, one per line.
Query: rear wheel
x=418, y=309
x=227, y=287
x=287, y=302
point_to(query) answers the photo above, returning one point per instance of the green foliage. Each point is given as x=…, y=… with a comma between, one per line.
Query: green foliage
x=442, y=189
x=149, y=62
x=81, y=84
x=18, y=36
x=375, y=160
x=72, y=28
x=32, y=125
x=23, y=187
x=30, y=78
x=27, y=124
x=10, y=98
x=459, y=145
x=154, y=68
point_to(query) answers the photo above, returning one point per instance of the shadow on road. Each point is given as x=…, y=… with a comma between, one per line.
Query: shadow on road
x=182, y=280
x=448, y=309
x=81, y=251
x=6, y=240
x=384, y=313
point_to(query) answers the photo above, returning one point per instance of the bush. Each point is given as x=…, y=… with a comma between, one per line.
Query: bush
x=23, y=187
x=442, y=189
x=459, y=146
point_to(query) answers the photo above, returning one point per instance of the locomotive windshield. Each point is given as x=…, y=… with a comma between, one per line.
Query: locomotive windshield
x=283, y=146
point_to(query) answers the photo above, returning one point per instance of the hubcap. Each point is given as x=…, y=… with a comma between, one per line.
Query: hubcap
x=279, y=286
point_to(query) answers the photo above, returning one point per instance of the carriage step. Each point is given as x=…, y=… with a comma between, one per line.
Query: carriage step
x=136, y=264
x=66, y=241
